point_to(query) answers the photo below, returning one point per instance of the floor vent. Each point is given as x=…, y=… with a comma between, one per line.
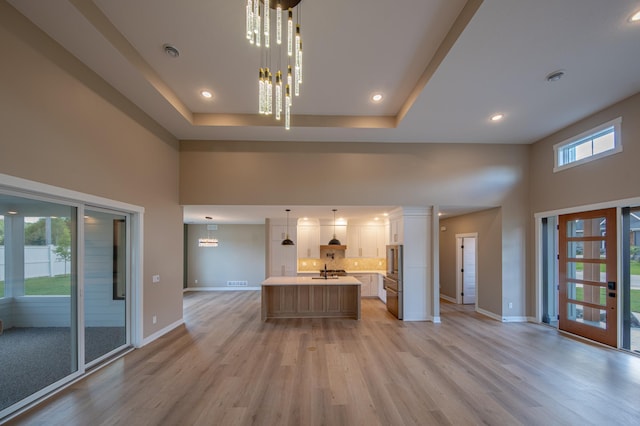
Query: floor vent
x=237, y=283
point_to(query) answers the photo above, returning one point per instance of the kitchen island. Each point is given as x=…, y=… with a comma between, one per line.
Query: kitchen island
x=311, y=297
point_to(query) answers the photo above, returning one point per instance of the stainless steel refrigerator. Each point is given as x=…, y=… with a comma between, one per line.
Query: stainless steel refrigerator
x=393, y=281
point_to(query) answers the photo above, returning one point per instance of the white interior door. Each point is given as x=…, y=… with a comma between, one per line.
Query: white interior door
x=467, y=267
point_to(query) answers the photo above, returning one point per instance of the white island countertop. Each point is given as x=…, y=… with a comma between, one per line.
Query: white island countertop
x=280, y=281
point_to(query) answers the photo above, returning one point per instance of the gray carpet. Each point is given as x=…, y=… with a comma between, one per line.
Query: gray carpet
x=33, y=358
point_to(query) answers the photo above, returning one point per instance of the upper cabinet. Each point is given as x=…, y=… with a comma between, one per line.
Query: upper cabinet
x=308, y=238
x=282, y=259
x=366, y=240
x=326, y=234
x=396, y=230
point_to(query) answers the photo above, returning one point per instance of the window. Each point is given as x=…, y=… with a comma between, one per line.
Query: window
x=596, y=143
x=47, y=255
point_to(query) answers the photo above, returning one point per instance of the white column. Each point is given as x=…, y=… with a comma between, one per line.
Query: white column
x=419, y=292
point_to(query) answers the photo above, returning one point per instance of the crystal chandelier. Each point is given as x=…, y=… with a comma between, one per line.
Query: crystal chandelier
x=274, y=97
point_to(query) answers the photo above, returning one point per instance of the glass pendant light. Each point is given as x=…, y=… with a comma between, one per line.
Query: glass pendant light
x=334, y=241
x=274, y=97
x=287, y=107
x=249, y=19
x=287, y=241
x=267, y=25
x=279, y=23
x=278, y=94
x=269, y=100
x=297, y=61
x=290, y=33
x=262, y=93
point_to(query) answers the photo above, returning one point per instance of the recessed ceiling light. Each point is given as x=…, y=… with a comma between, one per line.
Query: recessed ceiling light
x=497, y=117
x=206, y=94
x=171, y=50
x=635, y=17
x=377, y=97
x=555, y=76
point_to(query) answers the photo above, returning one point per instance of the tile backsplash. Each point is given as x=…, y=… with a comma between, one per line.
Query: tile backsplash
x=335, y=259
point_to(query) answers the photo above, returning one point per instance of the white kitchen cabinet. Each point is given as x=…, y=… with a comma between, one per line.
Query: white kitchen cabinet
x=308, y=241
x=279, y=233
x=326, y=234
x=366, y=241
x=396, y=231
x=282, y=259
x=382, y=292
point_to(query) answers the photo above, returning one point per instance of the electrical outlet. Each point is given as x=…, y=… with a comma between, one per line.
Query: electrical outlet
x=156, y=278
x=196, y=281
x=510, y=305
x=154, y=319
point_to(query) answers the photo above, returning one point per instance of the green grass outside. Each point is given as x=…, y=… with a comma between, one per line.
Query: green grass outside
x=635, y=298
x=635, y=267
x=45, y=286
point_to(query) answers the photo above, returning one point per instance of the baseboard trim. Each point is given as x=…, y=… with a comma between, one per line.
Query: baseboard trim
x=160, y=333
x=488, y=314
x=189, y=289
x=501, y=318
x=448, y=298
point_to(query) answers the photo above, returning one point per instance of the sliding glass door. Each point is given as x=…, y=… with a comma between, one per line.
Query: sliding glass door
x=38, y=297
x=64, y=293
x=105, y=283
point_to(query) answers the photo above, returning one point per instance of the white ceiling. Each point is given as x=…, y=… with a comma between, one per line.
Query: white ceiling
x=444, y=66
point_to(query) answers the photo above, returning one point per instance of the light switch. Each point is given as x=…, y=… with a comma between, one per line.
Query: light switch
x=156, y=278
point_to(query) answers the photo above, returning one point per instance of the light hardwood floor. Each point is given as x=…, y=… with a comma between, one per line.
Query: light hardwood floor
x=226, y=367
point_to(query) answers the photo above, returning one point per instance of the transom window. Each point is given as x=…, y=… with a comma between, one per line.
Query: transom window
x=599, y=142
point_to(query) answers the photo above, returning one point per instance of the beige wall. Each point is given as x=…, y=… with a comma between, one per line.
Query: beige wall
x=488, y=225
x=263, y=173
x=611, y=178
x=241, y=255
x=289, y=173
x=57, y=130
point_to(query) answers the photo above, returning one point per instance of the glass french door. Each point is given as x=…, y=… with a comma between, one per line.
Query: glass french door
x=587, y=273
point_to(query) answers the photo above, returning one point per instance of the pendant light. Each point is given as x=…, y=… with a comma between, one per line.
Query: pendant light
x=334, y=241
x=287, y=241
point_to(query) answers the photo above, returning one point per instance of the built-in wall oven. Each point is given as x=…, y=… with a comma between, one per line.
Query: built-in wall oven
x=393, y=281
